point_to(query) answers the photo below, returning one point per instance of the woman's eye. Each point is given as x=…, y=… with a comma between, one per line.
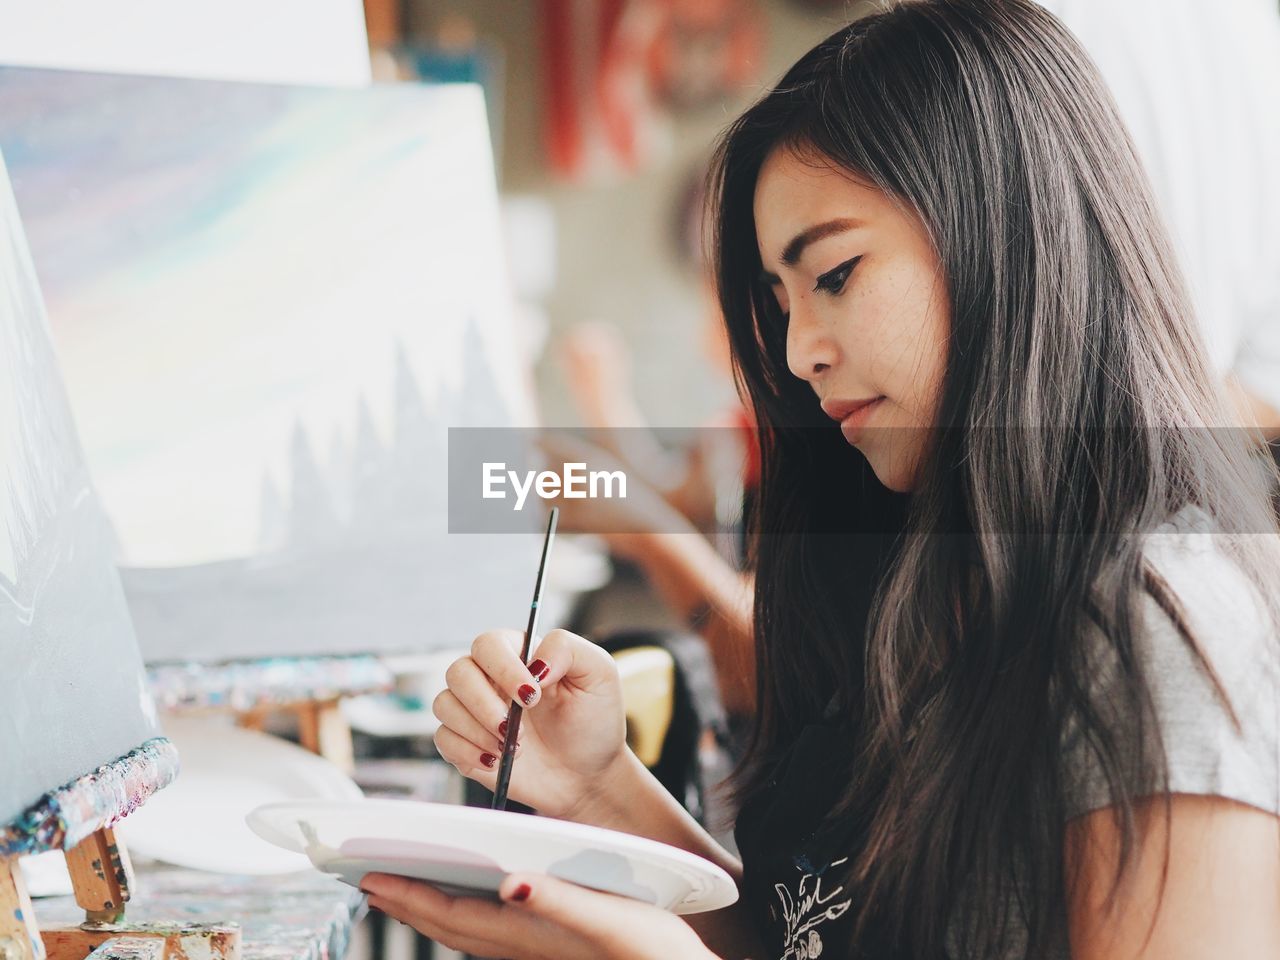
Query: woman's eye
x=833, y=281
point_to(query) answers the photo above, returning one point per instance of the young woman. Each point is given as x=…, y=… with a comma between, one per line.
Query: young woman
x=1015, y=619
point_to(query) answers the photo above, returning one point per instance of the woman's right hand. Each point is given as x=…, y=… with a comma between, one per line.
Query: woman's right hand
x=572, y=735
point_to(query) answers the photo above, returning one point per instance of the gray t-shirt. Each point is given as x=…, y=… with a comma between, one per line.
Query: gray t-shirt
x=1205, y=752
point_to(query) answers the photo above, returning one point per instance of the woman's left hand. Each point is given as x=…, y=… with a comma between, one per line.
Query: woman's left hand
x=538, y=918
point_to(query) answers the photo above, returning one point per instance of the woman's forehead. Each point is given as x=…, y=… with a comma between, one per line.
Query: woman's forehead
x=794, y=192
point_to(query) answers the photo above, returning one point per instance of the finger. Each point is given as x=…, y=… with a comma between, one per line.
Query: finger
x=471, y=760
x=592, y=915
x=497, y=653
x=474, y=690
x=437, y=934
x=574, y=660
x=452, y=713
x=459, y=922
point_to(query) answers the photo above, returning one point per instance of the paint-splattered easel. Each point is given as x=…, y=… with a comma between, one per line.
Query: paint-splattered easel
x=77, y=818
x=309, y=689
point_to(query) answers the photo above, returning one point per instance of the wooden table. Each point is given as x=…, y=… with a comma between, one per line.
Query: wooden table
x=300, y=916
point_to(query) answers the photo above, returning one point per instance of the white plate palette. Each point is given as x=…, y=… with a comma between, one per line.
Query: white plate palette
x=467, y=850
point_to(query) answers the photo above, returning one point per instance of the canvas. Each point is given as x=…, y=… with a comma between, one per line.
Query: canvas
x=72, y=692
x=271, y=303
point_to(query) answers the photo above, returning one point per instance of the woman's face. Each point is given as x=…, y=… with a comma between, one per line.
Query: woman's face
x=868, y=316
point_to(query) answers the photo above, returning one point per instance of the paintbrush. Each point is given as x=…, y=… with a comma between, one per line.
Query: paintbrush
x=514, y=713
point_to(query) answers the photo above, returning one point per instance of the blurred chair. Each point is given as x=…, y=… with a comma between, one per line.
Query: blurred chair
x=690, y=732
x=648, y=677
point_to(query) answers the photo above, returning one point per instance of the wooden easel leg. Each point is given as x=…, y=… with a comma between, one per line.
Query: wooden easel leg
x=323, y=729
x=101, y=876
x=19, y=935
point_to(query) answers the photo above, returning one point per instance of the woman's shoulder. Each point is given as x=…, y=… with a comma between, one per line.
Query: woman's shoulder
x=1217, y=595
x=1214, y=687
x=1203, y=571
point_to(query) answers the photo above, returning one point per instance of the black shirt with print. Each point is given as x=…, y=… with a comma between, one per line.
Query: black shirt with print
x=792, y=881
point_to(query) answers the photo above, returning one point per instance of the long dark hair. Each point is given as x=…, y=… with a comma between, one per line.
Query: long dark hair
x=1075, y=402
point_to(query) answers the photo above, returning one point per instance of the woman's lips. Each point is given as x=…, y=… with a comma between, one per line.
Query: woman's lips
x=854, y=422
x=852, y=414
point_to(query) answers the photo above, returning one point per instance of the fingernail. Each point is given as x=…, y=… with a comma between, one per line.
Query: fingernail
x=502, y=729
x=539, y=669
x=488, y=759
x=521, y=893
x=527, y=694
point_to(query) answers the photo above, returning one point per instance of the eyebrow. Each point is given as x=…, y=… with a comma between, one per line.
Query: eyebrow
x=792, y=251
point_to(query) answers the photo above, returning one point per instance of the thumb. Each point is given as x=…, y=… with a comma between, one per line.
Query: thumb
x=576, y=661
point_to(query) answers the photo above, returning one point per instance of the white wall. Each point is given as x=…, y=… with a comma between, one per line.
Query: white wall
x=270, y=41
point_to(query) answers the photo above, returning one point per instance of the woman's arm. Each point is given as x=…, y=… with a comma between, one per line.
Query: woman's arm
x=632, y=800
x=699, y=584
x=1221, y=894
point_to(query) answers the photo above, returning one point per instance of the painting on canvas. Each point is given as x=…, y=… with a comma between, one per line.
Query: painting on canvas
x=271, y=303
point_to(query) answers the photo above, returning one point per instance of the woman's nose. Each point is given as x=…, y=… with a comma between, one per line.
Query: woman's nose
x=811, y=351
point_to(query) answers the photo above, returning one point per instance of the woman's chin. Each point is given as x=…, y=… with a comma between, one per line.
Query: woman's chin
x=896, y=473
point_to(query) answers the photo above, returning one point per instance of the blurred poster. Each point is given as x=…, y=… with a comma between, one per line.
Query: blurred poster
x=614, y=68
x=602, y=118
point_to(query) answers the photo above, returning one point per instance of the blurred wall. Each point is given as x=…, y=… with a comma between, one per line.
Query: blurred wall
x=616, y=256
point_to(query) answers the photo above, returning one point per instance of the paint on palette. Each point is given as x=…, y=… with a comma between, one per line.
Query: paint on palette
x=277, y=300
x=63, y=817
x=73, y=694
x=253, y=684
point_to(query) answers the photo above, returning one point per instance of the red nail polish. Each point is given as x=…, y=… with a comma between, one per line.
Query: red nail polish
x=502, y=729
x=488, y=759
x=539, y=669
x=527, y=693
x=521, y=893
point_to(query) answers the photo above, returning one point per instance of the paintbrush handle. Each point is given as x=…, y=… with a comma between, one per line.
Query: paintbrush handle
x=515, y=712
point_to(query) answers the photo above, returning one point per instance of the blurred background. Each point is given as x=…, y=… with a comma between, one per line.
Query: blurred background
x=604, y=113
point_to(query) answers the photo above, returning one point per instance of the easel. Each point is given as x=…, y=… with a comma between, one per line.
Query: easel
x=308, y=689
x=102, y=878
x=322, y=729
